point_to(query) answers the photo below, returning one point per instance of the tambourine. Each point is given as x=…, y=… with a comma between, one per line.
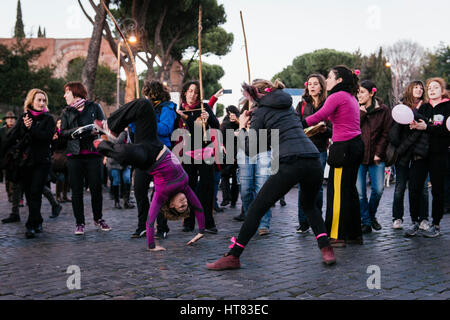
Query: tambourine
x=83, y=132
x=313, y=130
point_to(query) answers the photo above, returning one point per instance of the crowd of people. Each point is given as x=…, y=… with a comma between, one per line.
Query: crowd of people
x=340, y=121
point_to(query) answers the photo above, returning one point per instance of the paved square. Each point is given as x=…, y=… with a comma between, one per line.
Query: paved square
x=282, y=265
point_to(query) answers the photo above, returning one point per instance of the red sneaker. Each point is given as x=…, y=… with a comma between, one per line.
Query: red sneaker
x=328, y=255
x=224, y=263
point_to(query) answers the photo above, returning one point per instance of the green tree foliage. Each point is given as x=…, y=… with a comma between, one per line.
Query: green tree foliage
x=19, y=29
x=105, y=81
x=374, y=68
x=211, y=74
x=438, y=64
x=171, y=30
x=18, y=76
x=319, y=61
x=220, y=110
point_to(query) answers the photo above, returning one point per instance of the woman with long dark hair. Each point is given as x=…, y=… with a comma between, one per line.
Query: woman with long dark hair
x=201, y=175
x=312, y=101
x=84, y=162
x=409, y=144
x=35, y=130
x=376, y=122
x=298, y=163
x=343, y=219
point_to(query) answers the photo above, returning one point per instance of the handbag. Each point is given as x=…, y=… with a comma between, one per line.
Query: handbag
x=391, y=155
x=17, y=159
x=59, y=161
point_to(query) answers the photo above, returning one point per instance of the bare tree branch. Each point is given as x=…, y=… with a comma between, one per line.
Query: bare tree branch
x=85, y=13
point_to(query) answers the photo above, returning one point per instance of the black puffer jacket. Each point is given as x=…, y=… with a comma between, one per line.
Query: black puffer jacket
x=410, y=144
x=72, y=119
x=275, y=112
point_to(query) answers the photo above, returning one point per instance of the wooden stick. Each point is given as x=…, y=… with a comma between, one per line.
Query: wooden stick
x=200, y=66
x=246, y=50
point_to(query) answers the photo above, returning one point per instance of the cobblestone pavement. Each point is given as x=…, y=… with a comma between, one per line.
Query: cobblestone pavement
x=282, y=265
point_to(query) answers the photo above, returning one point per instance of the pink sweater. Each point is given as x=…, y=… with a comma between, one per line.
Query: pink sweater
x=342, y=109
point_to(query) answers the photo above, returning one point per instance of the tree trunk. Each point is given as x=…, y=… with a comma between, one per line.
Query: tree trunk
x=130, y=88
x=90, y=68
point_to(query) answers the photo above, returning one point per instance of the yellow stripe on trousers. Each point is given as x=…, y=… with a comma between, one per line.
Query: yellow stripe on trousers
x=336, y=203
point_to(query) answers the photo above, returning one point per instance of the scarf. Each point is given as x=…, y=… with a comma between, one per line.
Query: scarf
x=78, y=104
x=185, y=106
x=37, y=113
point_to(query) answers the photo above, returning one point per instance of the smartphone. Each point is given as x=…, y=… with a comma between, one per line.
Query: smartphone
x=227, y=91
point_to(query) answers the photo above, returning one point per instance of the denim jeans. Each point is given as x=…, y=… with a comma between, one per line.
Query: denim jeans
x=319, y=202
x=253, y=173
x=116, y=175
x=401, y=179
x=217, y=175
x=369, y=208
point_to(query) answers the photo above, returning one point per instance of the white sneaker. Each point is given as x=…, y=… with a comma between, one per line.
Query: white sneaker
x=398, y=224
x=424, y=225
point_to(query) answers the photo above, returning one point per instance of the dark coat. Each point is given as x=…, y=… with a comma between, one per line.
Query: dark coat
x=40, y=136
x=275, y=112
x=72, y=119
x=410, y=144
x=436, y=117
x=375, y=127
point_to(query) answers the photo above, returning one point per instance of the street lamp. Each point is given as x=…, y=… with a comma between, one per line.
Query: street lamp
x=395, y=72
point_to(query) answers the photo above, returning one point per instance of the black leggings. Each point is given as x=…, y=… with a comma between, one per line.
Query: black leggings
x=307, y=172
x=436, y=165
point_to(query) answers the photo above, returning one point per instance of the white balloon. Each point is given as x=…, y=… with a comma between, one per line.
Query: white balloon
x=402, y=114
x=447, y=123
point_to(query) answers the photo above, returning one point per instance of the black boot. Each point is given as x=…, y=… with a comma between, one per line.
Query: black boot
x=126, y=197
x=56, y=210
x=115, y=192
x=30, y=233
x=13, y=217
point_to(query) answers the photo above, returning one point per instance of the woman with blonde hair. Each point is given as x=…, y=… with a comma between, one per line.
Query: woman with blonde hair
x=436, y=113
x=33, y=134
x=298, y=163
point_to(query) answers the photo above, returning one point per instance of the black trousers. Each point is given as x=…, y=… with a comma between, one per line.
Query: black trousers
x=141, y=186
x=436, y=166
x=89, y=167
x=307, y=172
x=201, y=180
x=33, y=184
x=230, y=192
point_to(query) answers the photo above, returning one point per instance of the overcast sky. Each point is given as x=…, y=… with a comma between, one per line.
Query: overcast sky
x=277, y=30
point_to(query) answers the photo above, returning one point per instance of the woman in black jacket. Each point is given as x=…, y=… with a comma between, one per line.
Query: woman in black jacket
x=35, y=129
x=436, y=113
x=298, y=163
x=84, y=162
x=191, y=120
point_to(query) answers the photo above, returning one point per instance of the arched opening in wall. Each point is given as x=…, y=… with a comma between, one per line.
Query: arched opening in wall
x=74, y=69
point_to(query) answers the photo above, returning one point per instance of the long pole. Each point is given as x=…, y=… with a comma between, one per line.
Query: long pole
x=246, y=49
x=118, y=76
x=130, y=53
x=200, y=67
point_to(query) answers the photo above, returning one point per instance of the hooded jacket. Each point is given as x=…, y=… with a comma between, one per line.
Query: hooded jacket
x=274, y=112
x=436, y=118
